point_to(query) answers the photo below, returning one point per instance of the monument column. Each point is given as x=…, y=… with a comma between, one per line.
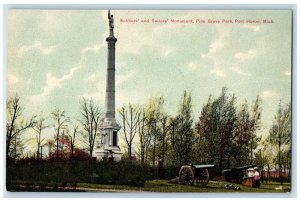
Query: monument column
x=110, y=79
x=107, y=146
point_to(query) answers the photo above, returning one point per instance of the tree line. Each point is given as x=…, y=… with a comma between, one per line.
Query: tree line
x=67, y=140
x=223, y=134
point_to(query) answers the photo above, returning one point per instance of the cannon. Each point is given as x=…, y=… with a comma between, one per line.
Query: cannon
x=236, y=175
x=190, y=174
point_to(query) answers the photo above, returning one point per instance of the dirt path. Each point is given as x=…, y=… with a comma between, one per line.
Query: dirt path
x=106, y=190
x=69, y=189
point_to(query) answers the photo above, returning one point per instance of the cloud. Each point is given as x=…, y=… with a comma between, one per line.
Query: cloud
x=97, y=85
x=246, y=55
x=268, y=94
x=94, y=80
x=120, y=64
x=216, y=46
x=166, y=51
x=97, y=96
x=132, y=41
x=53, y=83
x=95, y=48
x=287, y=73
x=124, y=98
x=122, y=78
x=192, y=66
x=215, y=49
x=218, y=72
x=238, y=70
x=216, y=53
x=252, y=27
x=36, y=45
x=12, y=79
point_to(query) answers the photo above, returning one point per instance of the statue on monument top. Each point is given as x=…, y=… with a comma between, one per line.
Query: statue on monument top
x=111, y=23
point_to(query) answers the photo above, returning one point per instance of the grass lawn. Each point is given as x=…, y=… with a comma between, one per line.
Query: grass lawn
x=164, y=186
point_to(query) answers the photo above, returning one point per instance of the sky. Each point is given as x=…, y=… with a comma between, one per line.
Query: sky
x=57, y=57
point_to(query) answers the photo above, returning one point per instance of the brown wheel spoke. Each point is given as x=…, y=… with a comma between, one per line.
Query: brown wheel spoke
x=203, y=177
x=186, y=175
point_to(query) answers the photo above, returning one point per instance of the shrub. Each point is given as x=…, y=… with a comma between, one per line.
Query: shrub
x=65, y=172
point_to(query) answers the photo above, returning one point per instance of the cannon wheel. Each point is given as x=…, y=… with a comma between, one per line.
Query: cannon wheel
x=186, y=175
x=203, y=177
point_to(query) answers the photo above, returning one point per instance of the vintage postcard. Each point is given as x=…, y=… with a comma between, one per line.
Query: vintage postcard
x=148, y=101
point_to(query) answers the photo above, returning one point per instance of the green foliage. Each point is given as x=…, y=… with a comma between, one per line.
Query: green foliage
x=182, y=133
x=170, y=172
x=280, y=136
x=243, y=137
x=60, y=172
x=224, y=135
x=280, y=133
x=216, y=128
x=227, y=136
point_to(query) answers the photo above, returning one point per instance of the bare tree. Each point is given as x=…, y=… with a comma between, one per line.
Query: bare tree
x=130, y=121
x=61, y=123
x=72, y=139
x=62, y=143
x=15, y=123
x=144, y=137
x=39, y=126
x=49, y=144
x=91, y=118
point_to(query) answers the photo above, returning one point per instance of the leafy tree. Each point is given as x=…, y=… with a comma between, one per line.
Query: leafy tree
x=204, y=141
x=154, y=109
x=267, y=153
x=144, y=136
x=245, y=137
x=280, y=132
x=216, y=127
x=255, y=125
x=184, y=134
x=264, y=157
x=164, y=128
x=242, y=136
x=225, y=106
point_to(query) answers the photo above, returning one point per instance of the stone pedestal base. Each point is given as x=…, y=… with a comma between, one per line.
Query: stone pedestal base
x=108, y=143
x=105, y=153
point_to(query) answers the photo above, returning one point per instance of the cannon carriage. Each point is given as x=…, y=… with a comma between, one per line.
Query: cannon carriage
x=191, y=174
x=236, y=175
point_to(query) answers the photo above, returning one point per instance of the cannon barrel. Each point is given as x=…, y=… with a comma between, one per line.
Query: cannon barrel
x=238, y=168
x=246, y=167
x=203, y=166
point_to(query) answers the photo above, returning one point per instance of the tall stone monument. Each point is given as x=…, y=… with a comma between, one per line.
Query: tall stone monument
x=107, y=145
